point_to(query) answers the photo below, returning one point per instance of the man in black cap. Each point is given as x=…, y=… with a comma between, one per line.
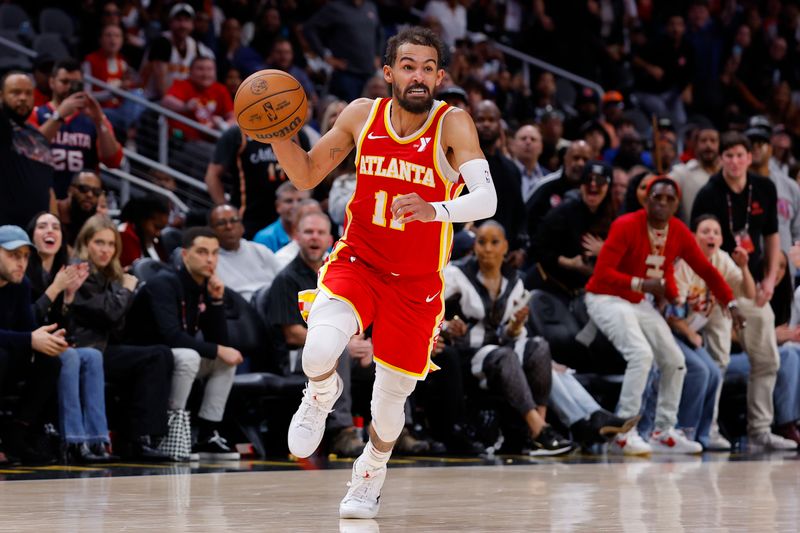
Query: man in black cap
x=759, y=132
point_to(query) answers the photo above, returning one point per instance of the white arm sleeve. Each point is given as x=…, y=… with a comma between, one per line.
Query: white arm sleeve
x=480, y=203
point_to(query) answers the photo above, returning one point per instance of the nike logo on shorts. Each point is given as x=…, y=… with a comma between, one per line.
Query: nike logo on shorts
x=373, y=136
x=429, y=299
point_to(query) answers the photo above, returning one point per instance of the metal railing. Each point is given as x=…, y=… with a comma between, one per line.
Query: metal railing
x=127, y=177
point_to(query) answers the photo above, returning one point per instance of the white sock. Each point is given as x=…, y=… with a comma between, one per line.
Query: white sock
x=324, y=388
x=374, y=459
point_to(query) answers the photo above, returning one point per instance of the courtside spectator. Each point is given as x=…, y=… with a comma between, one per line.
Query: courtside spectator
x=80, y=135
x=231, y=53
x=637, y=259
x=281, y=57
x=25, y=352
x=286, y=254
x=27, y=176
x=98, y=312
x=746, y=206
x=243, y=266
x=175, y=309
x=81, y=385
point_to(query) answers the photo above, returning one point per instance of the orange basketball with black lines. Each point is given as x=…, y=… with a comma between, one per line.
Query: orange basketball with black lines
x=270, y=105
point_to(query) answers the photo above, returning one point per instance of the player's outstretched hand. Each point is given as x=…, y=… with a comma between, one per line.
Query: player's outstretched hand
x=409, y=207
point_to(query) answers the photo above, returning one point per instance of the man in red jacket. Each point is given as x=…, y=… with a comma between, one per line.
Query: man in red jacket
x=634, y=271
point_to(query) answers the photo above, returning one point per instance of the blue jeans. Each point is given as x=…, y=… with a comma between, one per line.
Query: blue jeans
x=703, y=376
x=786, y=396
x=127, y=114
x=81, y=396
x=696, y=408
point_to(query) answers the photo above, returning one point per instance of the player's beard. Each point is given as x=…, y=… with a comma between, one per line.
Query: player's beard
x=417, y=106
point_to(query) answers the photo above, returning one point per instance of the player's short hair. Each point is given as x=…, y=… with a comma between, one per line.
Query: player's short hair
x=415, y=35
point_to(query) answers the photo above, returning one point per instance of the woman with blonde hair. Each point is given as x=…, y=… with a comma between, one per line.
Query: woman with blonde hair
x=97, y=313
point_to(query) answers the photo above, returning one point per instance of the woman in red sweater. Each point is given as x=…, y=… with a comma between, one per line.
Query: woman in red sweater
x=634, y=270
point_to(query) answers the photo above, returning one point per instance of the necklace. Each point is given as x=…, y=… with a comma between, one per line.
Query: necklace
x=658, y=242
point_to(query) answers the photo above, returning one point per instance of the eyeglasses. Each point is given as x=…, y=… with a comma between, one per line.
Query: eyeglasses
x=225, y=221
x=86, y=189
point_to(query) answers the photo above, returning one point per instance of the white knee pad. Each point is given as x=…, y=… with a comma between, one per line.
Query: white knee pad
x=388, y=401
x=331, y=323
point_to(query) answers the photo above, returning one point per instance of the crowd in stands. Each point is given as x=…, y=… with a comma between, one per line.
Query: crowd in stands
x=583, y=272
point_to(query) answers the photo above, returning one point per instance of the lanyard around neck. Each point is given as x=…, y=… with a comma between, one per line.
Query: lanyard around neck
x=730, y=209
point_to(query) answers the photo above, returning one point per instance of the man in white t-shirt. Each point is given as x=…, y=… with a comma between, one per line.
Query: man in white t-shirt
x=243, y=266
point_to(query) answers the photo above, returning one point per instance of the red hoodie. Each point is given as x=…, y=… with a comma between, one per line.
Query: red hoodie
x=624, y=253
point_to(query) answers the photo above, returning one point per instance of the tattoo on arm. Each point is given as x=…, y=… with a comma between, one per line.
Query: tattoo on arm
x=335, y=151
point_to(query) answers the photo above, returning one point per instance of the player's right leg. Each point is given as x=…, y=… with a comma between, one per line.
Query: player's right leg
x=331, y=323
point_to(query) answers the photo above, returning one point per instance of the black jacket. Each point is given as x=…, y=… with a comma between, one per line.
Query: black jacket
x=171, y=309
x=97, y=312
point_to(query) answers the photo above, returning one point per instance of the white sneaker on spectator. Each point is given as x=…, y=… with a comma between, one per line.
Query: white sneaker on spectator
x=630, y=443
x=673, y=441
x=717, y=442
x=363, y=499
x=767, y=441
x=308, y=423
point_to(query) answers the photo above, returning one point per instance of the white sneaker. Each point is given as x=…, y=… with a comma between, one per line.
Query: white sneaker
x=364, y=497
x=717, y=442
x=673, y=441
x=630, y=443
x=308, y=423
x=767, y=441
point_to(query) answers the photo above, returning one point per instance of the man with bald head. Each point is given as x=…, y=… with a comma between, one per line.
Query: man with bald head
x=26, y=179
x=551, y=190
x=526, y=147
x=507, y=181
x=243, y=266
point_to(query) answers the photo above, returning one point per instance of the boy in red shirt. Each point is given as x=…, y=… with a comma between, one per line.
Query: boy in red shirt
x=635, y=266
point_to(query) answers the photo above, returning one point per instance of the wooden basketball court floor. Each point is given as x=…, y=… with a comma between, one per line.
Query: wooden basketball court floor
x=716, y=492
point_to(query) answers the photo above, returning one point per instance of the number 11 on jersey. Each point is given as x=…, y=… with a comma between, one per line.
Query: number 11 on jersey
x=379, y=216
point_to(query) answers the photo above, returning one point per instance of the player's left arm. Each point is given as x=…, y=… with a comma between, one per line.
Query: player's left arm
x=460, y=137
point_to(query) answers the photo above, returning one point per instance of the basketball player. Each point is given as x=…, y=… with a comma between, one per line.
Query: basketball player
x=413, y=157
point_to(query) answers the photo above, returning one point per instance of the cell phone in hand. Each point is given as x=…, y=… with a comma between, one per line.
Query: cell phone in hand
x=520, y=303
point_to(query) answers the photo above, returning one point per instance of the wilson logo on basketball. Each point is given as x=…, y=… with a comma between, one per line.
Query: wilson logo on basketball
x=258, y=86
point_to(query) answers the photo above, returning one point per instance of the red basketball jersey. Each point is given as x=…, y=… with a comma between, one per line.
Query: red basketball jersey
x=389, y=166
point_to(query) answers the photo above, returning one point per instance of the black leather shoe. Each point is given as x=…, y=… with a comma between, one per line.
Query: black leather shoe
x=100, y=450
x=606, y=424
x=80, y=454
x=461, y=441
x=30, y=449
x=143, y=450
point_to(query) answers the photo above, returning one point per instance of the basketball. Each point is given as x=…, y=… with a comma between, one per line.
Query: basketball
x=270, y=105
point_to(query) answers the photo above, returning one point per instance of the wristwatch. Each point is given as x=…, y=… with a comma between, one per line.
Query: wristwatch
x=56, y=116
x=732, y=304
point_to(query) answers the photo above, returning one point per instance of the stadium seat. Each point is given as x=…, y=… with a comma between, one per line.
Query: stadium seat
x=246, y=331
x=147, y=268
x=54, y=20
x=52, y=44
x=10, y=58
x=171, y=238
x=12, y=17
x=259, y=303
